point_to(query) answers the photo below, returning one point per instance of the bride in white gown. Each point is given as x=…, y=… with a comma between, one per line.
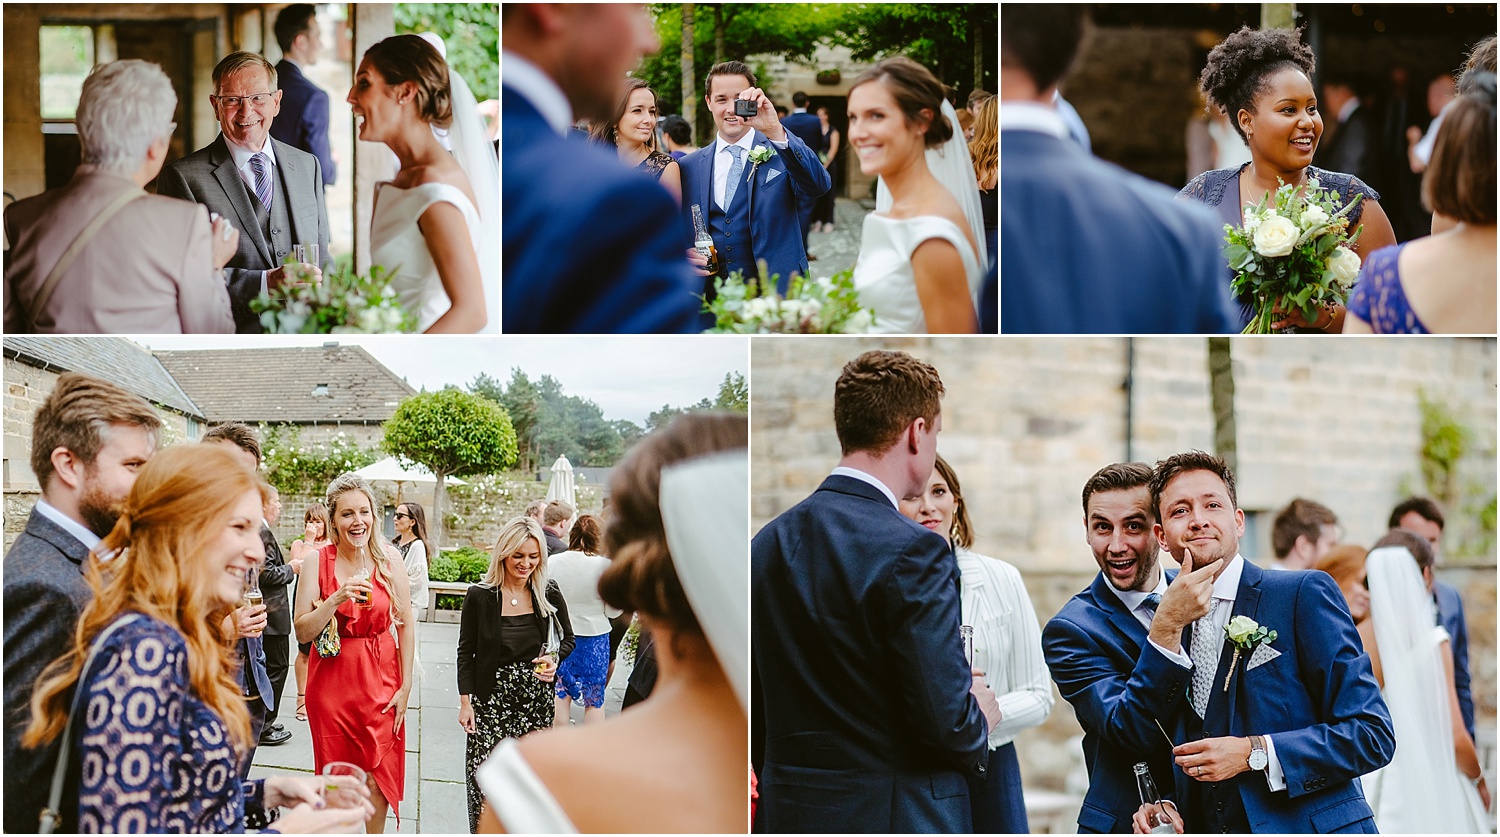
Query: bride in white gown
x=1425, y=788
x=434, y=225
x=918, y=266
x=678, y=761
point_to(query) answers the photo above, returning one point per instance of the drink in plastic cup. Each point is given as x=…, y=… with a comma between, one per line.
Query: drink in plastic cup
x=336, y=795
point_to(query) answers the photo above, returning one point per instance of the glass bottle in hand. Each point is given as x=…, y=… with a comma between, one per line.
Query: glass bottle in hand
x=1149, y=796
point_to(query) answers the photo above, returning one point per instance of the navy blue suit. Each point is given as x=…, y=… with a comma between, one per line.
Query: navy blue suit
x=1087, y=247
x=303, y=121
x=809, y=129
x=1318, y=701
x=1451, y=615
x=1092, y=646
x=588, y=245
x=776, y=194
x=861, y=717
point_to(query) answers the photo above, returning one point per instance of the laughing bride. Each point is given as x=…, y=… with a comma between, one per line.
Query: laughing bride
x=430, y=222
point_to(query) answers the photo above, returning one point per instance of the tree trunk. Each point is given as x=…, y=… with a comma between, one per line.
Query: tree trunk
x=718, y=33
x=1221, y=389
x=977, y=35
x=689, y=98
x=437, y=510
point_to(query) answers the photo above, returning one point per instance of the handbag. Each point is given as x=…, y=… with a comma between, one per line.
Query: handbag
x=327, y=641
x=49, y=816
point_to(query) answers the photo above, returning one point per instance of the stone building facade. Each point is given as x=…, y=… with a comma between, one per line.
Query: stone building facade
x=1026, y=421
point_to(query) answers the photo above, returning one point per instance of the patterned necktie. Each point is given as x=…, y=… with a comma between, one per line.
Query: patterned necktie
x=736, y=169
x=1205, y=656
x=262, y=180
x=1151, y=602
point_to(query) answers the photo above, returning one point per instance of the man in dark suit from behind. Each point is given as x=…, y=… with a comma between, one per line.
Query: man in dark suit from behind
x=89, y=438
x=808, y=129
x=1087, y=247
x=587, y=245
x=303, y=122
x=1423, y=516
x=275, y=577
x=864, y=715
x=1354, y=146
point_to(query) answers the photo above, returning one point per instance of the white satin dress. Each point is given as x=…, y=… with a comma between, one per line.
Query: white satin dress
x=396, y=244
x=519, y=799
x=883, y=274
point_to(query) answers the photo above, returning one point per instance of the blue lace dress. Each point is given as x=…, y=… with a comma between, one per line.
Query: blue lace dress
x=1220, y=189
x=150, y=756
x=1378, y=297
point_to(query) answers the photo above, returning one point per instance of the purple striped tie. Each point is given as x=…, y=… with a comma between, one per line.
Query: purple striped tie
x=262, y=182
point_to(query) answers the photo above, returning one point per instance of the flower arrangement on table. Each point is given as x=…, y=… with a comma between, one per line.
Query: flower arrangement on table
x=343, y=302
x=1294, y=253
x=811, y=306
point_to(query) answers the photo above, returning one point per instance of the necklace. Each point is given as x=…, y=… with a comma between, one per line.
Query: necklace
x=515, y=599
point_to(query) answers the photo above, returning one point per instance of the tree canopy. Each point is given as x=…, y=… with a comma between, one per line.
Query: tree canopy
x=470, y=31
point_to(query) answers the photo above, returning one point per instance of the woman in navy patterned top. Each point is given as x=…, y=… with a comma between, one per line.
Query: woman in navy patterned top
x=161, y=725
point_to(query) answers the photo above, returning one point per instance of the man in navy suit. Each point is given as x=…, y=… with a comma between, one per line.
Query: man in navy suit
x=864, y=715
x=89, y=438
x=303, y=122
x=1092, y=644
x=1423, y=516
x=1085, y=245
x=806, y=127
x=752, y=209
x=1275, y=731
x=587, y=244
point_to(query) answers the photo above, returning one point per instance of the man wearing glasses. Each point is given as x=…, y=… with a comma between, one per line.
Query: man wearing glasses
x=270, y=191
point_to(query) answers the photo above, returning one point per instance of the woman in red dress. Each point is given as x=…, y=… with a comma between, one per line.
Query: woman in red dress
x=357, y=697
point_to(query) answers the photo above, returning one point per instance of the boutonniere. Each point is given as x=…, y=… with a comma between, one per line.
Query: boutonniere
x=1246, y=635
x=757, y=156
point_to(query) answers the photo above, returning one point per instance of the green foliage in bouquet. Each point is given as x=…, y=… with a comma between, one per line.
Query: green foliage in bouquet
x=1294, y=253
x=811, y=306
x=342, y=303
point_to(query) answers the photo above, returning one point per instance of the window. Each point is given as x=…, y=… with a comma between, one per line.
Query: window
x=67, y=56
x=320, y=391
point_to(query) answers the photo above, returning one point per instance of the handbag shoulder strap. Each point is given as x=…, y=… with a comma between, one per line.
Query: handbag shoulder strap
x=44, y=294
x=54, y=797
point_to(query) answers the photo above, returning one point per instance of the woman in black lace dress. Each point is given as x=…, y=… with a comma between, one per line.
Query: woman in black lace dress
x=1261, y=79
x=633, y=133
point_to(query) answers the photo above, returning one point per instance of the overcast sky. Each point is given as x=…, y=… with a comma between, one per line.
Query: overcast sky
x=628, y=376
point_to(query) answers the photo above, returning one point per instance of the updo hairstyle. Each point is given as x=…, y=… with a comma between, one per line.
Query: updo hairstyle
x=1460, y=178
x=915, y=89
x=640, y=576
x=403, y=58
x=1238, y=68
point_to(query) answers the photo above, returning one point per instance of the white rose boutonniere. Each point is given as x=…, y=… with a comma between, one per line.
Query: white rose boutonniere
x=1314, y=216
x=1245, y=634
x=1275, y=236
x=757, y=156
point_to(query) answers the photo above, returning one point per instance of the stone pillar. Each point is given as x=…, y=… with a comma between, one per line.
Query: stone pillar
x=373, y=162
x=24, y=173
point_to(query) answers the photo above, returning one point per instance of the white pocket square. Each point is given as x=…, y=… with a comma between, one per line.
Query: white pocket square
x=772, y=175
x=1264, y=653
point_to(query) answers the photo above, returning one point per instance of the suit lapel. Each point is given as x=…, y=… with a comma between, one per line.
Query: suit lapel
x=705, y=165
x=239, y=197
x=291, y=172
x=1246, y=603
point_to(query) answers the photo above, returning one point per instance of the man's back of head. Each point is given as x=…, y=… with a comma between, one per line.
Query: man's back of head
x=878, y=395
x=1040, y=41
x=1302, y=532
x=556, y=513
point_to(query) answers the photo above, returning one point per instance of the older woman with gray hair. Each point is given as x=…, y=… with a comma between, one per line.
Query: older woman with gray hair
x=100, y=255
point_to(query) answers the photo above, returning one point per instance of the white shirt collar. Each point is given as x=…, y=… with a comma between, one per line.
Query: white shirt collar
x=84, y=535
x=855, y=473
x=1132, y=599
x=539, y=89
x=1348, y=109
x=746, y=142
x=1228, y=582
x=242, y=155
x=1031, y=116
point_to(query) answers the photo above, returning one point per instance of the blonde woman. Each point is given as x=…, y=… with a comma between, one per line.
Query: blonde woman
x=508, y=627
x=985, y=150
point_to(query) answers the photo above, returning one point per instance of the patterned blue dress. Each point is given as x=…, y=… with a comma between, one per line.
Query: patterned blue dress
x=151, y=757
x=1378, y=297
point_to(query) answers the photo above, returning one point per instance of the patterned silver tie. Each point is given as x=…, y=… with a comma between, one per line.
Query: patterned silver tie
x=1205, y=654
x=262, y=180
x=736, y=169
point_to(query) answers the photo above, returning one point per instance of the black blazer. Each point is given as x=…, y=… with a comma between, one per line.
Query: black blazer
x=274, y=578
x=479, y=636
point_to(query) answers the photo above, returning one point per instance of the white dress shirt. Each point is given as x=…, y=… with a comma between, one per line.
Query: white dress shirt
x=1135, y=600
x=1007, y=642
x=84, y=535
x=1031, y=116
x=855, y=473
x=1226, y=586
x=242, y=157
x=539, y=89
x=723, y=160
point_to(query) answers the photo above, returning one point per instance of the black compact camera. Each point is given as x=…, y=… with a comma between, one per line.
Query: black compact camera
x=745, y=107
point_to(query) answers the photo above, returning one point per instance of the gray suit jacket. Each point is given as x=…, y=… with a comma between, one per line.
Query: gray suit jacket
x=208, y=176
x=148, y=269
x=44, y=592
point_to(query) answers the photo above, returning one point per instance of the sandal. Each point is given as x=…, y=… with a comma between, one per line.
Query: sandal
x=301, y=706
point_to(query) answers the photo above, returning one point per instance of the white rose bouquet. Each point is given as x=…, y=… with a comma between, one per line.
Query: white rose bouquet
x=811, y=306
x=342, y=303
x=1294, y=253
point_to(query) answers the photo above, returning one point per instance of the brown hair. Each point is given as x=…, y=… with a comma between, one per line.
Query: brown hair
x=1345, y=562
x=180, y=502
x=237, y=434
x=1300, y=519
x=1117, y=477
x=403, y=58
x=1425, y=507
x=641, y=576
x=1181, y=463
x=1417, y=545
x=319, y=512
x=878, y=395
x=236, y=61
x=610, y=131
x=78, y=415
x=586, y=535
x=726, y=68
x=917, y=92
x=1460, y=179
x=419, y=526
x=556, y=512
x=962, y=530
x=984, y=149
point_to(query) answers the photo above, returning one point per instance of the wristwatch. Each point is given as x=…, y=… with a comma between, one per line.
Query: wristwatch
x=1258, y=759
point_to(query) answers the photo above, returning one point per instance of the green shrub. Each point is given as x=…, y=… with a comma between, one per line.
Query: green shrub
x=448, y=601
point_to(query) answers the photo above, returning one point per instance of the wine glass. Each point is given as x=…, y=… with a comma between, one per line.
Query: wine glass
x=338, y=794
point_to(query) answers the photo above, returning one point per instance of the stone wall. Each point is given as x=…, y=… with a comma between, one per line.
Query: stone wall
x=1026, y=421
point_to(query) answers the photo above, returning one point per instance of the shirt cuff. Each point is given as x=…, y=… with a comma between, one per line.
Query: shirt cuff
x=1175, y=656
x=263, y=289
x=782, y=144
x=1275, y=779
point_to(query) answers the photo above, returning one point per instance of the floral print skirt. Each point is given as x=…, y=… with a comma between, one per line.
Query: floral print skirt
x=519, y=704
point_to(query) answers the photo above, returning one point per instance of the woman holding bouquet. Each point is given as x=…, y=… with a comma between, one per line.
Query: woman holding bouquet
x=1261, y=79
